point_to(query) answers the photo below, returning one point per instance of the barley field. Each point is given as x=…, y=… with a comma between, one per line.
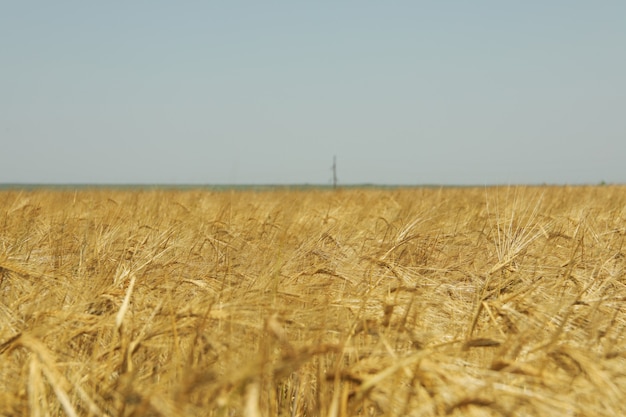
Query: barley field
x=497, y=301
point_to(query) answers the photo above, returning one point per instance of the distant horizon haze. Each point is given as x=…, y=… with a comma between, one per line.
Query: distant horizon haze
x=408, y=93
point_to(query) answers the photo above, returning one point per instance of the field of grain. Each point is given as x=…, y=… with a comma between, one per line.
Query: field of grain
x=285, y=302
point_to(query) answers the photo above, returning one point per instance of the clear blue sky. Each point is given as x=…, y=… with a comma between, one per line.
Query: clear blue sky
x=406, y=92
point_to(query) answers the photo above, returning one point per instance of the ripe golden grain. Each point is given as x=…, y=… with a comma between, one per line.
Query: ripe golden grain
x=396, y=302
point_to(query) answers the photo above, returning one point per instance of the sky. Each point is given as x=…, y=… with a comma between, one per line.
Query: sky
x=250, y=92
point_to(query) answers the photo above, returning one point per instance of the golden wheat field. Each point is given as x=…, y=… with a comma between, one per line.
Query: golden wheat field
x=500, y=301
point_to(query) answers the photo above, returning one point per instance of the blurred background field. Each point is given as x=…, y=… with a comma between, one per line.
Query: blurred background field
x=498, y=301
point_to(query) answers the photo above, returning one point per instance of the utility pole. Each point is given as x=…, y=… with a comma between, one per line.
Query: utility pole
x=334, y=171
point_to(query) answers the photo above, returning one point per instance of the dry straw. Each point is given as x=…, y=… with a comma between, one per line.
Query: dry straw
x=347, y=302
